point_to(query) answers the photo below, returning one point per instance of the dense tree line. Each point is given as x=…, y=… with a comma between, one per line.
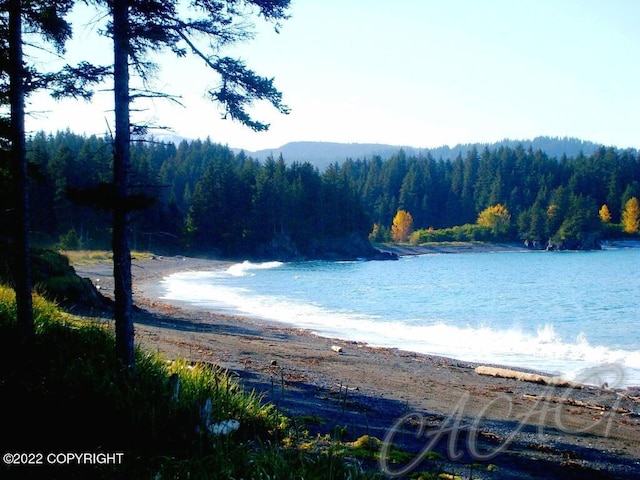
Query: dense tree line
x=210, y=199
x=548, y=198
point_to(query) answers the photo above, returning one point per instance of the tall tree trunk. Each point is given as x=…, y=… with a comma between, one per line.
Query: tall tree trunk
x=121, y=169
x=22, y=265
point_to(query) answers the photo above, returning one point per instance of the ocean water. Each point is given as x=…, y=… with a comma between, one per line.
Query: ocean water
x=574, y=314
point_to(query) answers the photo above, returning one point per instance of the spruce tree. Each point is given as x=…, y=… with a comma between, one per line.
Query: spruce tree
x=140, y=27
x=44, y=19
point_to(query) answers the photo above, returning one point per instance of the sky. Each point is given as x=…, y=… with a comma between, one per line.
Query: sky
x=420, y=73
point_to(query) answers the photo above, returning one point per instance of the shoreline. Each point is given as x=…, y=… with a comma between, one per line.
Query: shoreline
x=370, y=389
x=150, y=288
x=476, y=247
x=532, y=364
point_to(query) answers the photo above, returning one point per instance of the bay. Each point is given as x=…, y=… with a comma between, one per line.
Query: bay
x=573, y=314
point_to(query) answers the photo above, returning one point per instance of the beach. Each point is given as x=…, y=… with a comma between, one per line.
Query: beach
x=496, y=426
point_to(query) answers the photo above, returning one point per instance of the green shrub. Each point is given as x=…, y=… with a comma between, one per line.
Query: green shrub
x=461, y=233
x=70, y=241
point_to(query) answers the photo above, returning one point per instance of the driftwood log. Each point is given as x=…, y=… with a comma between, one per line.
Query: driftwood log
x=526, y=377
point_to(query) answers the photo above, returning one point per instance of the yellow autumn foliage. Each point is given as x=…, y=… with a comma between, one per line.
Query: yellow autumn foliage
x=495, y=217
x=605, y=214
x=402, y=226
x=631, y=216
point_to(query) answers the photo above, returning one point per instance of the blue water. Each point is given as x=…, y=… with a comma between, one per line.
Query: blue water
x=560, y=312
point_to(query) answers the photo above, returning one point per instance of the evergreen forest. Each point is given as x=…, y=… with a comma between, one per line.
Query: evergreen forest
x=201, y=197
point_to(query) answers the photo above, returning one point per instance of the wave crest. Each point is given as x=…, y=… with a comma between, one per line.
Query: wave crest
x=244, y=268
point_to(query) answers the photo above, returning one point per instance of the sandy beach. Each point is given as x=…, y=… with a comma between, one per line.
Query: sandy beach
x=481, y=426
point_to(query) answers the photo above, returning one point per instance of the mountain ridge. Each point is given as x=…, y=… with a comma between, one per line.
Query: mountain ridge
x=322, y=154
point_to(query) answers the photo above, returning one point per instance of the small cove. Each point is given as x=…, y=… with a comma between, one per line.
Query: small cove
x=565, y=313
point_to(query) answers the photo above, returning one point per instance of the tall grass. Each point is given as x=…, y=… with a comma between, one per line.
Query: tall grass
x=66, y=392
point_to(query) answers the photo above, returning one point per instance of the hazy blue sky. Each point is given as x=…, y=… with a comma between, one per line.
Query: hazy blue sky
x=422, y=73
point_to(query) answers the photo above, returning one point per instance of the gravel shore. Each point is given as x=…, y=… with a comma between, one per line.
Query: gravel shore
x=481, y=426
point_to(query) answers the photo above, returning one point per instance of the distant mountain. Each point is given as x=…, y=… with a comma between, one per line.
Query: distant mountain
x=322, y=154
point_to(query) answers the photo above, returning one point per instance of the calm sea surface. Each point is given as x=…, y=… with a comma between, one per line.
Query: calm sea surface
x=570, y=313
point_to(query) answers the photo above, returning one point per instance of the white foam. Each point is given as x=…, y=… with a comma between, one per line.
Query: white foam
x=244, y=268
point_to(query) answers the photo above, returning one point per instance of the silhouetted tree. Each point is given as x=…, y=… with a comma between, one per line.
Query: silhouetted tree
x=44, y=19
x=139, y=27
